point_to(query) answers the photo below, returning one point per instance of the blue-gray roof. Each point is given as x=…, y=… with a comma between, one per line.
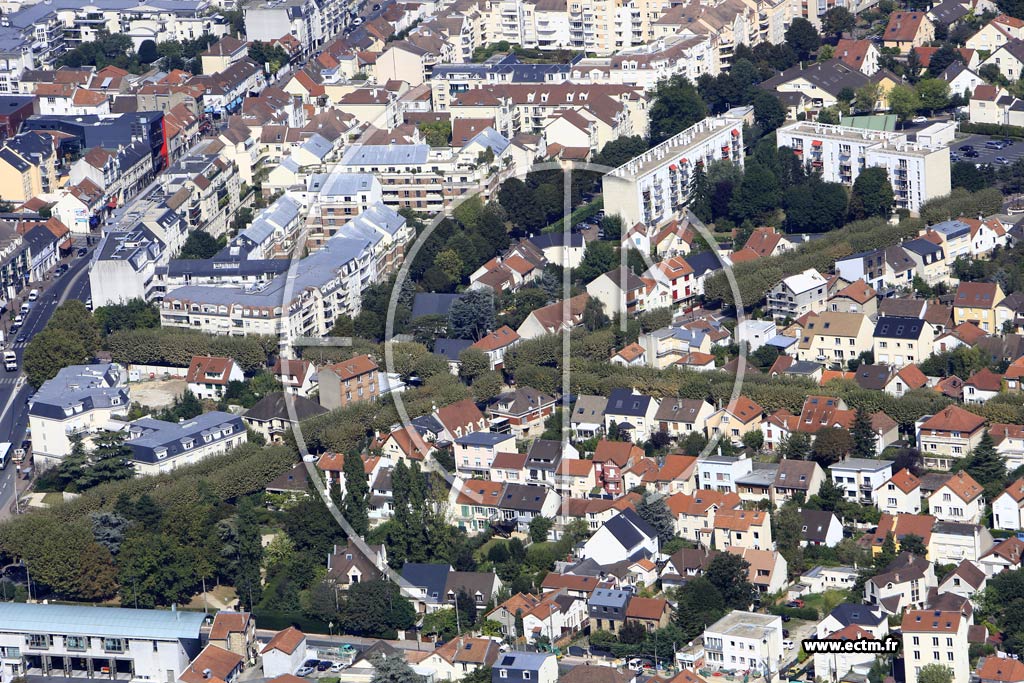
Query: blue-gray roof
x=340, y=184
x=154, y=441
x=383, y=155
x=780, y=341
x=703, y=262
x=92, y=386
x=557, y=239
x=951, y=229
x=489, y=137
x=629, y=529
x=318, y=146
x=898, y=328
x=515, y=663
x=625, y=402
x=450, y=349
x=430, y=577
x=104, y=622
x=426, y=303
x=278, y=215
x=482, y=439
x=862, y=615
x=922, y=246
x=608, y=597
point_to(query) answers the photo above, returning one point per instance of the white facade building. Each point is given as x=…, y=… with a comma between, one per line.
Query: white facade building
x=917, y=172
x=745, y=640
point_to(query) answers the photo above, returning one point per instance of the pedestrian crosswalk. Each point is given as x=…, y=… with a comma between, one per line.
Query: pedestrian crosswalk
x=8, y=379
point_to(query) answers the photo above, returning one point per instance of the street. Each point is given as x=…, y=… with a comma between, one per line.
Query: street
x=14, y=397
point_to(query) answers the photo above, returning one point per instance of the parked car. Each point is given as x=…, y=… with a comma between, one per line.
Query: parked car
x=971, y=154
x=787, y=644
x=919, y=119
x=966, y=148
x=324, y=665
x=954, y=157
x=795, y=603
x=338, y=666
x=82, y=251
x=785, y=633
x=304, y=671
x=1007, y=142
x=786, y=617
x=1002, y=161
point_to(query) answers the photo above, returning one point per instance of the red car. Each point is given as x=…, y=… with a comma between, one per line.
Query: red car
x=795, y=603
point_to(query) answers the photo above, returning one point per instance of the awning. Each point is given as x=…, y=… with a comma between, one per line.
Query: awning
x=735, y=133
x=112, y=204
x=683, y=160
x=725, y=148
x=816, y=143
x=673, y=167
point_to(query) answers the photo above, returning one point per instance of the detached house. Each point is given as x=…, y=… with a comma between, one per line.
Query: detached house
x=350, y=381
x=834, y=337
x=742, y=529
x=976, y=302
x=798, y=295
x=860, y=477
x=521, y=412
x=907, y=30
x=734, y=420
x=208, y=376
x=900, y=494
x=960, y=499
x=459, y=419
x=632, y=413
x=900, y=341
x=625, y=536
x=902, y=585
x=682, y=416
x=496, y=344
x=794, y=477
x=948, y=435
x=1008, y=508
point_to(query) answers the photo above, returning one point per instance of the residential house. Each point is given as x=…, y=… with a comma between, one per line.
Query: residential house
x=518, y=667
x=796, y=477
x=948, y=435
x=1008, y=506
x=960, y=499
x=284, y=653
x=474, y=452
x=554, y=318
x=348, y=565
x=742, y=529
x=860, y=478
x=735, y=419
x=459, y=419
x=620, y=292
x=952, y=542
x=208, y=376
x=651, y=613
x=695, y=513
x=587, y=419
x=520, y=503
x=348, y=382
x=967, y=579
x=1003, y=556
x=297, y=376
x=624, y=536
x=496, y=344
x=900, y=494
x=976, y=302
x=632, y=413
x=900, y=526
x=901, y=341
x=521, y=412
x=720, y=473
x=820, y=527
x=680, y=417
x=834, y=337
x=276, y=414
x=746, y=640
x=982, y=386
x=936, y=636
x=907, y=30
x=798, y=295
x=902, y=585
x=475, y=505
x=610, y=458
x=606, y=608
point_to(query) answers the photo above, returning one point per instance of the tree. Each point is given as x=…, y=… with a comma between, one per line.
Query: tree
x=436, y=133
x=699, y=605
x=357, y=493
x=49, y=352
x=872, y=194
x=985, y=464
x=831, y=444
x=654, y=510
x=942, y=58
x=903, y=101
x=376, y=609
x=450, y=263
x=133, y=315
x=802, y=37
x=728, y=573
x=757, y=196
x=620, y=150
x=265, y=54
x=838, y=21
x=393, y=669
x=933, y=93
x=912, y=543
x=593, y=315
x=598, y=259
x=912, y=66
x=797, y=446
x=769, y=113
x=201, y=245
x=866, y=97
x=154, y=570
x=788, y=531
x=539, y=528
x=754, y=440
x=249, y=554
x=887, y=553
x=935, y=673
x=473, y=362
x=865, y=441
x=677, y=106
x=472, y=315
x=815, y=206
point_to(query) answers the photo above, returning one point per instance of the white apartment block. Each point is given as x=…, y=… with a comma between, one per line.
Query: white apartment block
x=917, y=172
x=655, y=186
x=80, y=400
x=76, y=641
x=745, y=640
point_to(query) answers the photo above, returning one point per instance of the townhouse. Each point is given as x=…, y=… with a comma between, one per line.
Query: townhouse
x=742, y=529
x=694, y=513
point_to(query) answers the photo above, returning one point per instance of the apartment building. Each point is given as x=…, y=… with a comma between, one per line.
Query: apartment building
x=125, y=263
x=81, y=641
x=936, y=637
x=80, y=400
x=745, y=641
x=917, y=172
x=655, y=186
x=902, y=341
x=860, y=478
x=335, y=199
x=347, y=382
x=27, y=166
x=834, y=338
x=159, y=446
x=204, y=189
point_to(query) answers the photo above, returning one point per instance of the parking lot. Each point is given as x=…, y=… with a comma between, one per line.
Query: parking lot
x=985, y=155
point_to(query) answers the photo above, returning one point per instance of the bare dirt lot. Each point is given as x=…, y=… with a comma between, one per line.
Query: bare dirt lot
x=157, y=393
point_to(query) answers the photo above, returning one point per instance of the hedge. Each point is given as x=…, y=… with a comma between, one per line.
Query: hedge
x=175, y=347
x=995, y=129
x=805, y=613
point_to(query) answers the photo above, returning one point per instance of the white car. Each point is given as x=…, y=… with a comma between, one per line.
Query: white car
x=305, y=671
x=920, y=119
x=787, y=644
x=338, y=666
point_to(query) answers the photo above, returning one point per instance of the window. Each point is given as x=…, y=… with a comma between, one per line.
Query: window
x=502, y=673
x=76, y=642
x=526, y=675
x=38, y=641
